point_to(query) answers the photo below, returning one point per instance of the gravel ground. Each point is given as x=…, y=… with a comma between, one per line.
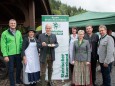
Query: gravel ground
x=68, y=82
x=99, y=78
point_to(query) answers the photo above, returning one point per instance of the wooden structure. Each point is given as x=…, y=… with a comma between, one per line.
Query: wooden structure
x=26, y=12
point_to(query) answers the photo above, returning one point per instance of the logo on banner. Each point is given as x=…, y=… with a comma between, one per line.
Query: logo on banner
x=56, y=25
x=56, y=29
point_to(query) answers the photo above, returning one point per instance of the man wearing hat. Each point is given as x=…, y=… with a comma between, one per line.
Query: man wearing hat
x=11, y=44
x=47, y=53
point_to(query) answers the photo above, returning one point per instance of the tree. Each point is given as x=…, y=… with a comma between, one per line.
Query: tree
x=59, y=8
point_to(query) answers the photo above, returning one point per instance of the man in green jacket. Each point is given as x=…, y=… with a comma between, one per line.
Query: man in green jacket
x=11, y=44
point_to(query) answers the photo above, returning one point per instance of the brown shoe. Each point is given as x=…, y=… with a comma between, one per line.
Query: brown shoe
x=72, y=84
x=50, y=84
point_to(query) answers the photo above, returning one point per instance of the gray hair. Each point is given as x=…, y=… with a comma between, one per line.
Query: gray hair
x=103, y=26
x=48, y=25
x=81, y=31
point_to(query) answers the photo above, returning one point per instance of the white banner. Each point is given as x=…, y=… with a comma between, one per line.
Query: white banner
x=60, y=27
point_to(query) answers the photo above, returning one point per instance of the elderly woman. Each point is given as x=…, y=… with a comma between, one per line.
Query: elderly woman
x=31, y=64
x=81, y=61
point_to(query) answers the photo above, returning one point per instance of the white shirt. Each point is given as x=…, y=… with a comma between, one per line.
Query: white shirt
x=72, y=39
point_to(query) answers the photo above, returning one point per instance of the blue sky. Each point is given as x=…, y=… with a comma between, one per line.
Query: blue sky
x=93, y=5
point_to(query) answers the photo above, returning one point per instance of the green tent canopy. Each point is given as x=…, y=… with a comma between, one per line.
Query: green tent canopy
x=92, y=18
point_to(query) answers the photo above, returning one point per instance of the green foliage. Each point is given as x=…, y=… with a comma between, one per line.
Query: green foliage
x=57, y=12
x=39, y=28
x=59, y=8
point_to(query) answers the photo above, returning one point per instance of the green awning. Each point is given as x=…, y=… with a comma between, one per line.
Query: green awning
x=92, y=18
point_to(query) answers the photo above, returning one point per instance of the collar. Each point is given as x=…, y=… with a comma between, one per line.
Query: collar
x=74, y=37
x=89, y=35
x=47, y=34
x=81, y=42
x=12, y=30
x=103, y=36
x=31, y=38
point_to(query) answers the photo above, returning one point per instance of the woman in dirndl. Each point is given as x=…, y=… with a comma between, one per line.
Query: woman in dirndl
x=81, y=61
x=31, y=64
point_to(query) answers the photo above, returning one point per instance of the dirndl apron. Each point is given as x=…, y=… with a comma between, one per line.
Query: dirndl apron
x=31, y=70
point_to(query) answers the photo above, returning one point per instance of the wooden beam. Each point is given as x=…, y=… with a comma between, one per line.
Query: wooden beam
x=19, y=4
x=29, y=13
x=32, y=13
x=7, y=9
x=44, y=3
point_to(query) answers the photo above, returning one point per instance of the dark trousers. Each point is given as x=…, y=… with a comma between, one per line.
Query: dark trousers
x=93, y=69
x=71, y=66
x=17, y=60
x=48, y=62
x=106, y=74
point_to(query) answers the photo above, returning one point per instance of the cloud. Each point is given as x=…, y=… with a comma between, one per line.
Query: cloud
x=93, y=5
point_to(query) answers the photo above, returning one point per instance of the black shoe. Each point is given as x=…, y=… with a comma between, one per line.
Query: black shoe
x=26, y=85
x=95, y=85
x=101, y=85
x=19, y=83
x=34, y=84
x=72, y=84
x=50, y=84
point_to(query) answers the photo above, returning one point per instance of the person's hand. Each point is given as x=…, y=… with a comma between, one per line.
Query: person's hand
x=73, y=62
x=43, y=44
x=52, y=45
x=49, y=45
x=6, y=59
x=105, y=65
x=24, y=60
x=87, y=63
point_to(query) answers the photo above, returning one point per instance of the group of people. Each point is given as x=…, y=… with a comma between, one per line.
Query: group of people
x=24, y=53
x=85, y=50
